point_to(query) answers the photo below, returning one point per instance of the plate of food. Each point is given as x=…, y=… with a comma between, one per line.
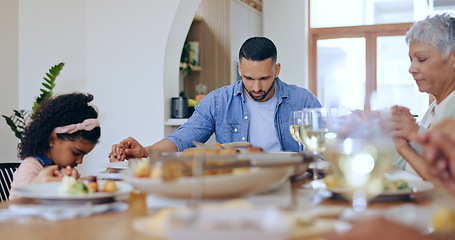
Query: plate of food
x=393, y=188
x=117, y=165
x=176, y=179
x=70, y=189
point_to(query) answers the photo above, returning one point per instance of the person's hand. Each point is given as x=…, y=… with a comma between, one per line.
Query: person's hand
x=439, y=152
x=379, y=229
x=127, y=148
x=117, y=153
x=400, y=124
x=48, y=174
x=68, y=171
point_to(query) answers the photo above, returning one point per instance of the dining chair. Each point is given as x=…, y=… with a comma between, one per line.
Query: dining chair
x=6, y=177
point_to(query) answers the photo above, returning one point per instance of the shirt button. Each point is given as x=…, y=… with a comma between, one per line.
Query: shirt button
x=246, y=117
x=235, y=130
x=243, y=138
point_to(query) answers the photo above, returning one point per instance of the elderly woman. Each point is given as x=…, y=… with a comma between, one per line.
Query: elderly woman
x=432, y=54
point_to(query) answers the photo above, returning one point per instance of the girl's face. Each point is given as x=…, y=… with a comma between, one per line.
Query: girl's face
x=64, y=152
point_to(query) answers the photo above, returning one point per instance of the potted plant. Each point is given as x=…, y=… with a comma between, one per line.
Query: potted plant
x=201, y=91
x=185, y=60
x=20, y=118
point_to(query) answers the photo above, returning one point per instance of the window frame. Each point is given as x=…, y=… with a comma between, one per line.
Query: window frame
x=369, y=32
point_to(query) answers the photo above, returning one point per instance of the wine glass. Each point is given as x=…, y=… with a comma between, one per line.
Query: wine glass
x=313, y=131
x=360, y=153
x=295, y=121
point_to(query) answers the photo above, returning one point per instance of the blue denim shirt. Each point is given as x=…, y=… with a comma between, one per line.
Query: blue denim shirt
x=223, y=112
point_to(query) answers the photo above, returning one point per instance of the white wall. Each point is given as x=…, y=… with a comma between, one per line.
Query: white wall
x=114, y=49
x=245, y=23
x=285, y=23
x=8, y=74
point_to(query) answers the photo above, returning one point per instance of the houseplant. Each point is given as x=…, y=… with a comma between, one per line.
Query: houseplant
x=185, y=61
x=20, y=118
x=201, y=91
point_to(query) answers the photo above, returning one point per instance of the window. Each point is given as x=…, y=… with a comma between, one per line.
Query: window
x=358, y=57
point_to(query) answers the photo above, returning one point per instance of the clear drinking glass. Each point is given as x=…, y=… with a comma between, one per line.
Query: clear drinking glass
x=360, y=153
x=295, y=122
x=313, y=131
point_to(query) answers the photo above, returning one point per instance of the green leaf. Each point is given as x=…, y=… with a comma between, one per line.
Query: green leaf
x=47, y=86
x=20, y=118
x=12, y=125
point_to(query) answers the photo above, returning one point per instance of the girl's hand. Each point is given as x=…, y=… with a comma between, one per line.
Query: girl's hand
x=127, y=148
x=48, y=174
x=118, y=152
x=69, y=171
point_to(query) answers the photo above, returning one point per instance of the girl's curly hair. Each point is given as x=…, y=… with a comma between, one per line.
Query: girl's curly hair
x=55, y=112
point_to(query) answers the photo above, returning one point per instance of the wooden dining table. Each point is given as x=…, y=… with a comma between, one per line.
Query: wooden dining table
x=118, y=225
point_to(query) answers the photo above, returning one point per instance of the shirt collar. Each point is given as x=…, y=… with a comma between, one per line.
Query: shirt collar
x=438, y=108
x=45, y=161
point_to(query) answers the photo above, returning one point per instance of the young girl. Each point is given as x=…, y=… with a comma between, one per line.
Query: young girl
x=64, y=129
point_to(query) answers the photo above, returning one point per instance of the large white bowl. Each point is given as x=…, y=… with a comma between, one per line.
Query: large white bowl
x=258, y=180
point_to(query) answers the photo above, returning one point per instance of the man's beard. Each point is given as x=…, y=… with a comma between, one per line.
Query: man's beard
x=264, y=93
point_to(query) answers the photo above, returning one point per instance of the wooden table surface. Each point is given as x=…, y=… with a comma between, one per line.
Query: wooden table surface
x=118, y=225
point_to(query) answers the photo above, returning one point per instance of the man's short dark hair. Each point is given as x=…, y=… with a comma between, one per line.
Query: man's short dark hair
x=258, y=49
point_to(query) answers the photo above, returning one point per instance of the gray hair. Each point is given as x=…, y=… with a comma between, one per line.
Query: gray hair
x=438, y=31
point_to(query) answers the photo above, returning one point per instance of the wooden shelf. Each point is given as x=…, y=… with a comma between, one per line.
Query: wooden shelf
x=196, y=68
x=255, y=5
x=197, y=18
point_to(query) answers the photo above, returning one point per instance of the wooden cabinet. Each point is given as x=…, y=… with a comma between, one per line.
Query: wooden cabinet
x=220, y=28
x=191, y=80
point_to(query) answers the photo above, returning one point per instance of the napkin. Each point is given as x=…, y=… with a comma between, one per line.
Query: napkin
x=59, y=212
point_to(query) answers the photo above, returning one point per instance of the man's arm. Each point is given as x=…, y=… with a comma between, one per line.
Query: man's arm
x=131, y=148
x=164, y=145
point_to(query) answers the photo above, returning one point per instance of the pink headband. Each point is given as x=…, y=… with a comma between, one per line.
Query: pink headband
x=87, y=125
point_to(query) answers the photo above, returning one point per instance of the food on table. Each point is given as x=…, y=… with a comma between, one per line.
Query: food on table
x=71, y=186
x=444, y=220
x=93, y=183
x=331, y=181
x=170, y=170
x=142, y=168
x=110, y=186
x=239, y=171
x=397, y=185
x=75, y=187
x=251, y=149
x=189, y=152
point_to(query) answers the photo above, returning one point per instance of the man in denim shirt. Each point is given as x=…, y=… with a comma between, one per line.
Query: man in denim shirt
x=255, y=109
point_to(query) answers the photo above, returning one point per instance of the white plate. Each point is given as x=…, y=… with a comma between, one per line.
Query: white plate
x=49, y=191
x=117, y=165
x=109, y=176
x=258, y=180
x=416, y=186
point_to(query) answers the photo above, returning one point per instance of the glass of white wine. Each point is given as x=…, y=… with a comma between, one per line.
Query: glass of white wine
x=313, y=131
x=360, y=153
x=295, y=122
